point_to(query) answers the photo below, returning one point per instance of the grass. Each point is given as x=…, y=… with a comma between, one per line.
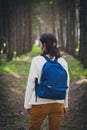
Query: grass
x=19, y=67
x=76, y=69
x=21, y=64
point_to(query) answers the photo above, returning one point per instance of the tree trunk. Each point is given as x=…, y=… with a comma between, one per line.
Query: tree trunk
x=72, y=28
x=83, y=32
x=67, y=25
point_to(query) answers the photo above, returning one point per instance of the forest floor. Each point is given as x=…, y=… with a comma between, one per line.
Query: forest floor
x=13, y=117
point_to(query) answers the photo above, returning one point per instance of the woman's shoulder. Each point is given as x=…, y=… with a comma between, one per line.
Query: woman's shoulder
x=38, y=59
x=62, y=61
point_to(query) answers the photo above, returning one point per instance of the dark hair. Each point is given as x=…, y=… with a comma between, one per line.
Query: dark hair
x=50, y=42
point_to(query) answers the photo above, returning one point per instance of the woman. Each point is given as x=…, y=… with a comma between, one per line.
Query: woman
x=38, y=110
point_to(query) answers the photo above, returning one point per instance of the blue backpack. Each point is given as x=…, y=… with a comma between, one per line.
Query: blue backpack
x=53, y=82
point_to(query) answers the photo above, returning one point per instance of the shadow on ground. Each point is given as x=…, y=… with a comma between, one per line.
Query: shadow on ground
x=12, y=116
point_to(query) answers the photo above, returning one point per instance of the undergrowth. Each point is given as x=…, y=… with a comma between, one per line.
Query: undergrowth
x=20, y=66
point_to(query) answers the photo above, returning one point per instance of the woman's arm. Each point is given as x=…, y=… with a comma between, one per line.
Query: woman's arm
x=30, y=84
x=63, y=62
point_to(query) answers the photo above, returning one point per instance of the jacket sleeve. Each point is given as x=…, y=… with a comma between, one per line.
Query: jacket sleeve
x=30, y=84
x=65, y=65
x=68, y=84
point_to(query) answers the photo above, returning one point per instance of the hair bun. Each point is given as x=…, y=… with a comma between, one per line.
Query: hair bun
x=54, y=44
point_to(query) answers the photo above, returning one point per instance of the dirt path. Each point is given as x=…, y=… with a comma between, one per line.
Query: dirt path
x=12, y=116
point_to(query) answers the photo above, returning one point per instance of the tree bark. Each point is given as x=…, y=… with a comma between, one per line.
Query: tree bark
x=83, y=32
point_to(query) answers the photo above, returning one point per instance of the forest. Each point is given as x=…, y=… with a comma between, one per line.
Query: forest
x=22, y=22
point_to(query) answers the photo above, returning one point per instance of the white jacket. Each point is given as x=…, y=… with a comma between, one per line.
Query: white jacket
x=35, y=71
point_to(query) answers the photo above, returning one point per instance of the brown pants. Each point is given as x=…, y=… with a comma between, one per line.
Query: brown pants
x=39, y=113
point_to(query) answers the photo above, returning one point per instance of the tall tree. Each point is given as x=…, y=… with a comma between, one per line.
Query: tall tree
x=83, y=32
x=19, y=27
x=72, y=28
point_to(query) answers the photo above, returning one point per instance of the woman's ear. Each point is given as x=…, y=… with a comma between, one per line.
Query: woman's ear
x=42, y=47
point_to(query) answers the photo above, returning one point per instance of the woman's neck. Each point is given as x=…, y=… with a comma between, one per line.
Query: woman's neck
x=49, y=56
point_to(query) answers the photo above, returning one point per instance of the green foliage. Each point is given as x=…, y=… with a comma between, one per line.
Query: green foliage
x=35, y=49
x=19, y=67
x=76, y=69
